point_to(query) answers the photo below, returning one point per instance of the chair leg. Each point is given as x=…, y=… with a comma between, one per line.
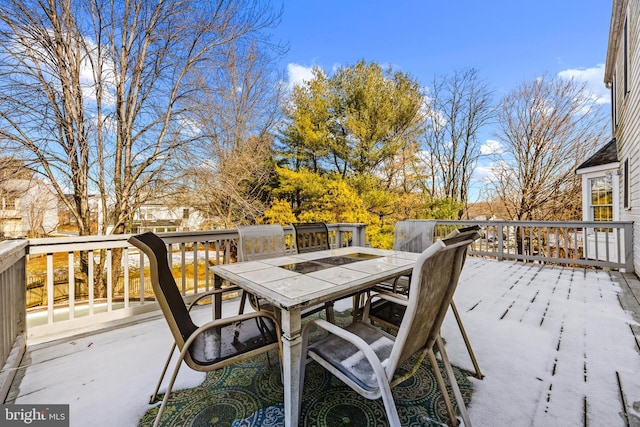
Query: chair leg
x=358, y=304
x=389, y=404
x=154, y=396
x=454, y=384
x=356, y=307
x=163, y=405
x=442, y=387
x=479, y=374
x=243, y=300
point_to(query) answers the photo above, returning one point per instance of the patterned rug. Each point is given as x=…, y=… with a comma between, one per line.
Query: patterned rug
x=250, y=393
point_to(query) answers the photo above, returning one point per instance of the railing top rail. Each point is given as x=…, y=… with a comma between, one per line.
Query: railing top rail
x=75, y=243
x=61, y=244
x=576, y=223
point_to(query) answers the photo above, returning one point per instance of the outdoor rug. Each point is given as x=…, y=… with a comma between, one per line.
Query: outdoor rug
x=250, y=393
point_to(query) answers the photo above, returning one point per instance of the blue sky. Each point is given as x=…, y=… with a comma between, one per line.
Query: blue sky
x=507, y=41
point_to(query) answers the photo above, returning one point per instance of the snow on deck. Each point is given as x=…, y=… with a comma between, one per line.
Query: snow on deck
x=554, y=343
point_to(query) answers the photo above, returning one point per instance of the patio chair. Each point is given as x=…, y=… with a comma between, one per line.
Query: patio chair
x=311, y=236
x=208, y=347
x=390, y=314
x=257, y=242
x=366, y=358
x=413, y=235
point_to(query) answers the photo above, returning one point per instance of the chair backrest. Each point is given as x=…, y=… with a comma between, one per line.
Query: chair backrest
x=311, y=236
x=413, y=235
x=164, y=287
x=471, y=229
x=260, y=242
x=433, y=282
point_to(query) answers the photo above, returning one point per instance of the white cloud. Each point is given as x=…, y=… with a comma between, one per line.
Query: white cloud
x=297, y=74
x=491, y=147
x=594, y=79
x=484, y=174
x=487, y=173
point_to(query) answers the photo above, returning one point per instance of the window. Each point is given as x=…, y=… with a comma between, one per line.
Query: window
x=8, y=203
x=185, y=213
x=625, y=190
x=601, y=198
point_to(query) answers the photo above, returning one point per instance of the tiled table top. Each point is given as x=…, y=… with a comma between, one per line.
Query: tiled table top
x=317, y=276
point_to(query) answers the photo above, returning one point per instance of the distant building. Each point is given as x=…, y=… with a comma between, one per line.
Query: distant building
x=28, y=208
x=160, y=218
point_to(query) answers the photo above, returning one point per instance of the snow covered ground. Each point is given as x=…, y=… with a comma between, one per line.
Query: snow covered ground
x=554, y=344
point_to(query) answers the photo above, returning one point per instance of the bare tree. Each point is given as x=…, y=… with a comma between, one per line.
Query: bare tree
x=547, y=127
x=459, y=106
x=237, y=108
x=42, y=114
x=97, y=91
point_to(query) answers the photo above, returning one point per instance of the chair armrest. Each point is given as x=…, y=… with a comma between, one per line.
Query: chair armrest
x=393, y=286
x=211, y=293
x=387, y=296
x=390, y=296
x=383, y=293
x=354, y=339
x=233, y=319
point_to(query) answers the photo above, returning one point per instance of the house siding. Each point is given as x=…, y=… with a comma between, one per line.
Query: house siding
x=627, y=131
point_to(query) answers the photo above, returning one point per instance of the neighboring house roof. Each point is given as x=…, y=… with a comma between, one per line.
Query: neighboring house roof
x=19, y=186
x=605, y=155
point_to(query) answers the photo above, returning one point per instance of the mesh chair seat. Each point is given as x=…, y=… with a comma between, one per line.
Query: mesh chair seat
x=232, y=339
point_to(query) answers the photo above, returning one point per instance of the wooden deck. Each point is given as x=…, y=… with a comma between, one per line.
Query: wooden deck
x=558, y=347
x=554, y=342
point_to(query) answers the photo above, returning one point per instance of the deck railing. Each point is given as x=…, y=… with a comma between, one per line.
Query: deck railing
x=12, y=310
x=77, y=284
x=86, y=281
x=596, y=244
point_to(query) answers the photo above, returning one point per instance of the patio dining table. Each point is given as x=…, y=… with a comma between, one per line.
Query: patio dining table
x=295, y=281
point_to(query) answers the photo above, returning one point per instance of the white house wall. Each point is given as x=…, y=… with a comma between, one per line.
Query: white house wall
x=627, y=130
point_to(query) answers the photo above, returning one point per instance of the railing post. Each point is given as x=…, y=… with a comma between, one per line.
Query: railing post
x=499, y=231
x=628, y=248
x=359, y=235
